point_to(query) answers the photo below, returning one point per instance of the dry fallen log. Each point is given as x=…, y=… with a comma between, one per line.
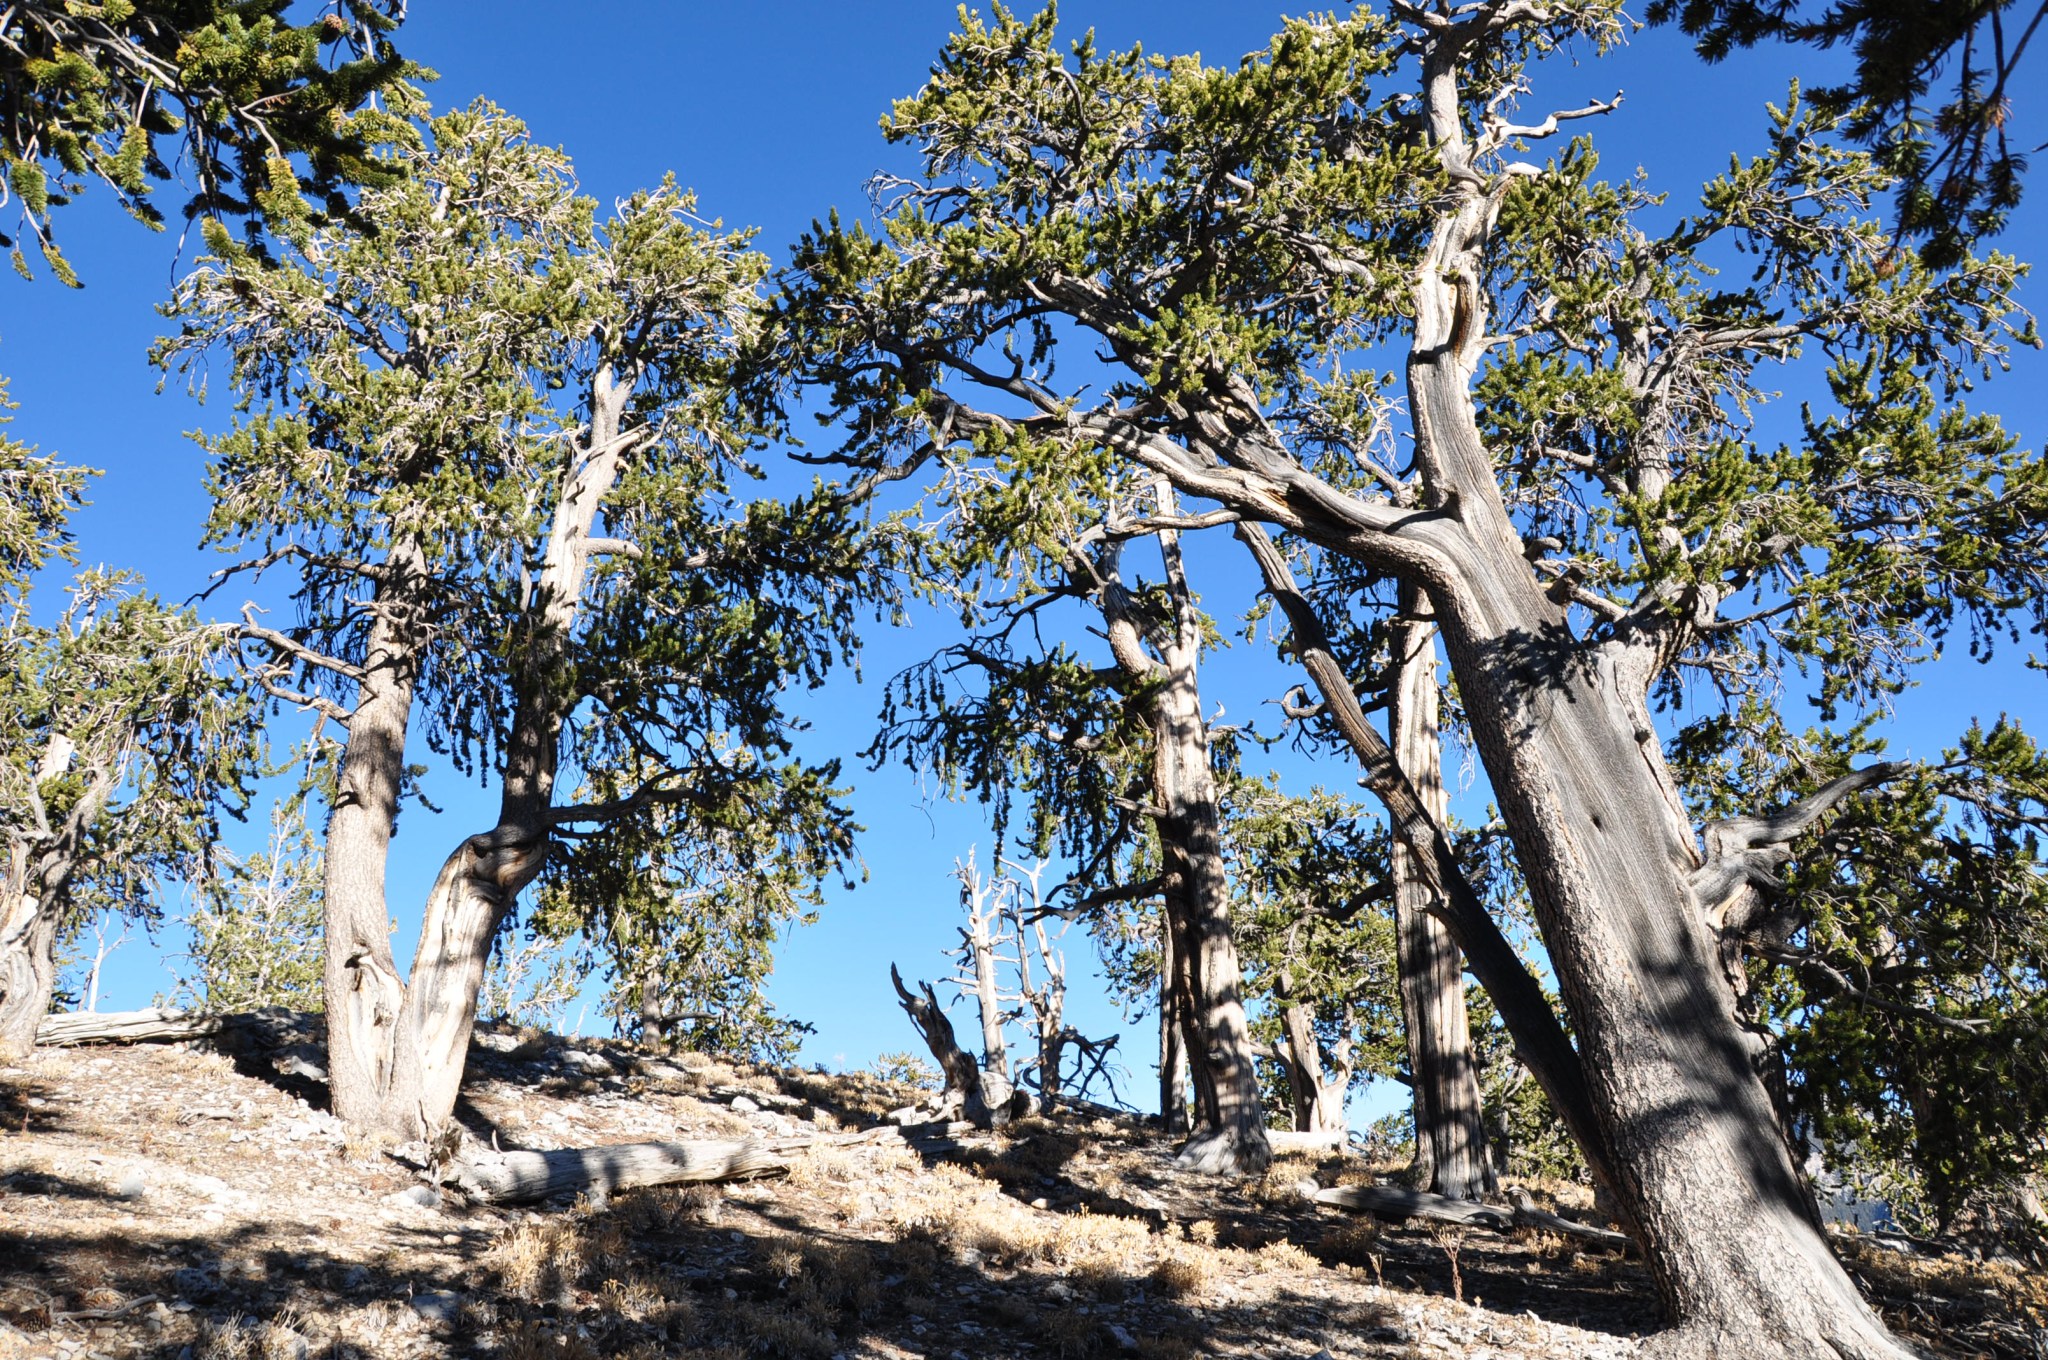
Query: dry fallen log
x=1393, y=1201
x=1529, y=1216
x=124, y=1027
x=524, y=1177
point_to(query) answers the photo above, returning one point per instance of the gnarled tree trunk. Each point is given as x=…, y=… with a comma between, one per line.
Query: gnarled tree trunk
x=396, y=1048
x=1230, y=1132
x=1607, y=850
x=28, y=963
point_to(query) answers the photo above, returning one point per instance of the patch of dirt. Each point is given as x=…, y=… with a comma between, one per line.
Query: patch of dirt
x=165, y=1202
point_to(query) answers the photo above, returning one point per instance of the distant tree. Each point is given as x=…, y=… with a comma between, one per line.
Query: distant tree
x=255, y=926
x=1313, y=891
x=1932, y=95
x=95, y=91
x=123, y=743
x=496, y=447
x=681, y=909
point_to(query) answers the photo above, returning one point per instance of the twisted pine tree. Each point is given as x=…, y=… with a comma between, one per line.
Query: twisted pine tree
x=1592, y=512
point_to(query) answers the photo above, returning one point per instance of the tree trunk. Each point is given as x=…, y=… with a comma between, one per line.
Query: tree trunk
x=1173, y=1053
x=1450, y=1127
x=979, y=942
x=1607, y=849
x=28, y=964
x=397, y=1049
x=1318, y=1096
x=1190, y=828
x=985, y=1098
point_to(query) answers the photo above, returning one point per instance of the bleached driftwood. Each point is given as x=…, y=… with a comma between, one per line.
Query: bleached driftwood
x=1394, y=1201
x=124, y=1027
x=524, y=1177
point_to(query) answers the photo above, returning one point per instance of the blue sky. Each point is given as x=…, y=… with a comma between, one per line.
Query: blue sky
x=769, y=112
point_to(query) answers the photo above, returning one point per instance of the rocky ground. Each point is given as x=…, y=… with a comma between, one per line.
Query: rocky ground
x=164, y=1201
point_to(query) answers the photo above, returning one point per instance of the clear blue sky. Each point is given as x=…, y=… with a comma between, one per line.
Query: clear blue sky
x=770, y=111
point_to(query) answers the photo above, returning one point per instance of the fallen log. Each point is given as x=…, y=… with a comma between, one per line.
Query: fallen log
x=1395, y=1201
x=524, y=1177
x=1527, y=1215
x=124, y=1027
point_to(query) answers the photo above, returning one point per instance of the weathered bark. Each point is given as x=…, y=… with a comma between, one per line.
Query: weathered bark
x=397, y=1049
x=1450, y=1127
x=149, y=1025
x=1540, y=1041
x=986, y=1099
x=1315, y=1090
x=1607, y=851
x=526, y=1177
x=1173, y=1053
x=1400, y=1202
x=28, y=969
x=1230, y=1134
x=978, y=944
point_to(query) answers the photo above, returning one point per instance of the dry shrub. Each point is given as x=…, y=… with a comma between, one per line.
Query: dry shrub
x=1203, y=1232
x=1278, y=1256
x=1182, y=1274
x=234, y=1338
x=665, y=1210
x=781, y=1332
x=543, y=1343
x=1072, y=1333
x=1353, y=1243
x=537, y=1261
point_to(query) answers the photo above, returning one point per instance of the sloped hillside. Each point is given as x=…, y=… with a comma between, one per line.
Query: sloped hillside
x=164, y=1201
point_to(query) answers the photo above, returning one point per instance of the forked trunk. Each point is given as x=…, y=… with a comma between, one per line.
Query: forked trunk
x=397, y=1049
x=1317, y=1093
x=1450, y=1127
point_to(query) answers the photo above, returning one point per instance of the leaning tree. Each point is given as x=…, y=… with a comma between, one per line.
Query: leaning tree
x=494, y=446
x=1593, y=511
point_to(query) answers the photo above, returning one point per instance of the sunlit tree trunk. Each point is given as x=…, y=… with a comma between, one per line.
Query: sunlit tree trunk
x=1450, y=1128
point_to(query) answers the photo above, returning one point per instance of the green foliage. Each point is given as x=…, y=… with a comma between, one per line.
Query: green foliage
x=1957, y=175
x=1904, y=976
x=256, y=927
x=682, y=913
x=103, y=91
x=415, y=409
x=908, y=1069
x=1313, y=922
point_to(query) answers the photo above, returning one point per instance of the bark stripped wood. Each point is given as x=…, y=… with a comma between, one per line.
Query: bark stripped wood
x=149, y=1025
x=979, y=939
x=270, y=1027
x=1308, y=1140
x=1399, y=1202
x=985, y=1099
x=527, y=1177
